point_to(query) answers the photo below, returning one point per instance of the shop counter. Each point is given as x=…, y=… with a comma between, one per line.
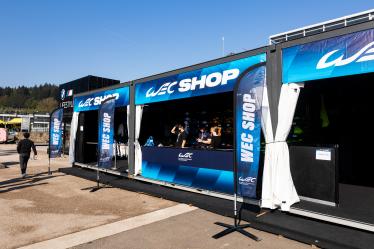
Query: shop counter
x=197, y=168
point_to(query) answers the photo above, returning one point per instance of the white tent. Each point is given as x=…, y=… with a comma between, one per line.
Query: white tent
x=138, y=149
x=278, y=190
x=73, y=135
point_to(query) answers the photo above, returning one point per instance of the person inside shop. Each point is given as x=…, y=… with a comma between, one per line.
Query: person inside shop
x=121, y=149
x=120, y=136
x=214, y=139
x=181, y=135
x=216, y=135
x=227, y=136
x=203, y=137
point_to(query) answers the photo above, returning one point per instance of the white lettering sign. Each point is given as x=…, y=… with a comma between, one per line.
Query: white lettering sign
x=364, y=54
x=195, y=83
x=248, y=123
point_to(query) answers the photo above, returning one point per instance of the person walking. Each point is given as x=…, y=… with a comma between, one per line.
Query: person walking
x=24, y=149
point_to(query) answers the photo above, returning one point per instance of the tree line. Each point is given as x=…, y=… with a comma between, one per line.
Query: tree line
x=22, y=99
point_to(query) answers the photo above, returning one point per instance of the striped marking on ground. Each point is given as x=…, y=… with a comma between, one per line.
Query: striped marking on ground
x=99, y=232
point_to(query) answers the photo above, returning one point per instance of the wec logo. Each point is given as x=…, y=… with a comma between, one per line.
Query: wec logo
x=185, y=157
x=165, y=88
x=194, y=83
x=247, y=181
x=97, y=100
x=364, y=54
x=62, y=94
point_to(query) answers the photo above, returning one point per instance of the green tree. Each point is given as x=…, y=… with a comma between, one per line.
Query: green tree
x=47, y=105
x=24, y=99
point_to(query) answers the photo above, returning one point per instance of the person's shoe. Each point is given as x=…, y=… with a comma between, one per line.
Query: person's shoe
x=23, y=176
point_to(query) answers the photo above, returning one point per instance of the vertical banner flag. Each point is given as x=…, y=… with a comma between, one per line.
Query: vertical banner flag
x=55, y=133
x=106, y=127
x=249, y=94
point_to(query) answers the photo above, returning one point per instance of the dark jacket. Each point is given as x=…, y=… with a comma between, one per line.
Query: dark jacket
x=25, y=145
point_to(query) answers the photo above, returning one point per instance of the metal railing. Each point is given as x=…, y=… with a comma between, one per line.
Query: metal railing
x=318, y=28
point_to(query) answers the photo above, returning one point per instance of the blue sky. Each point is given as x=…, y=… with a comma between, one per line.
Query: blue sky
x=58, y=41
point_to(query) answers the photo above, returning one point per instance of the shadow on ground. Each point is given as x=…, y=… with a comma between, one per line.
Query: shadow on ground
x=7, y=152
x=29, y=181
x=11, y=163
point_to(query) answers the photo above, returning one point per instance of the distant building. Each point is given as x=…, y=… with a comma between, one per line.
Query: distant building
x=27, y=122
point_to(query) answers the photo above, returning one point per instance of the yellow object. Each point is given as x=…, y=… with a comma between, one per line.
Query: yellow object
x=297, y=130
x=15, y=121
x=2, y=122
x=323, y=114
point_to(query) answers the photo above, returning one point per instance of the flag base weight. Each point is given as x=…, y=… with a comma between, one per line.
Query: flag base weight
x=96, y=188
x=49, y=165
x=235, y=228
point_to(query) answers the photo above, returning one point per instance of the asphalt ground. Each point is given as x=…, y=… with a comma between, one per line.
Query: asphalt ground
x=59, y=210
x=192, y=230
x=42, y=207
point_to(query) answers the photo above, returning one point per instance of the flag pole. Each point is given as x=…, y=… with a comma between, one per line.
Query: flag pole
x=49, y=142
x=98, y=163
x=99, y=150
x=236, y=227
x=98, y=157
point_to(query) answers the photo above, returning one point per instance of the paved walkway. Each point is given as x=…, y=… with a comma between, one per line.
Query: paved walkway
x=42, y=207
x=58, y=211
x=111, y=229
x=179, y=226
x=192, y=230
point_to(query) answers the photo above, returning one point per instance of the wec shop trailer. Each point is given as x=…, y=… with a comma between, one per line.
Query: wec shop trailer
x=331, y=67
x=311, y=92
x=196, y=96
x=85, y=126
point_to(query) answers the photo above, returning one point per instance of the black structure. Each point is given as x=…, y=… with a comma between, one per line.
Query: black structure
x=316, y=178
x=71, y=88
x=81, y=85
x=86, y=140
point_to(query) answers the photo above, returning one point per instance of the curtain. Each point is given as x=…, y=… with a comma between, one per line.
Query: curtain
x=73, y=134
x=278, y=188
x=138, y=149
x=267, y=130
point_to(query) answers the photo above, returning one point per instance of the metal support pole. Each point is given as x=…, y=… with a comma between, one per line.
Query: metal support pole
x=98, y=177
x=115, y=156
x=236, y=227
x=98, y=154
x=49, y=165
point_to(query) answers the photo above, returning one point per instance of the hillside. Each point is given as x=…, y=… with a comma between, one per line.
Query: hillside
x=22, y=99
